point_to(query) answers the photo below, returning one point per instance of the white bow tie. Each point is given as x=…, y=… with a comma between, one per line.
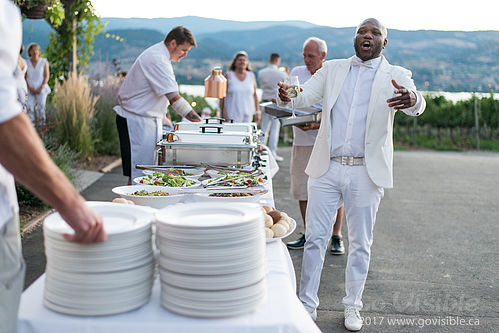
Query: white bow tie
x=358, y=62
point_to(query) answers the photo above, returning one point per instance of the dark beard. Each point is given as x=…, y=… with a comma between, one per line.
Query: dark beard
x=375, y=51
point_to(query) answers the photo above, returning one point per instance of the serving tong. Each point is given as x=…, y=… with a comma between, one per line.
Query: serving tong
x=223, y=180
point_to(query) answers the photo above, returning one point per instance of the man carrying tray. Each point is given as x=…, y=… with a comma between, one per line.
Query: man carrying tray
x=314, y=54
x=144, y=96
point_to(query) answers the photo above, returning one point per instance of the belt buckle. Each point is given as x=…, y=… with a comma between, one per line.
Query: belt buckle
x=347, y=160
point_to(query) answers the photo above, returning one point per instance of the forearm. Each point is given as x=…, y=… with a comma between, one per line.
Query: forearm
x=24, y=156
x=193, y=116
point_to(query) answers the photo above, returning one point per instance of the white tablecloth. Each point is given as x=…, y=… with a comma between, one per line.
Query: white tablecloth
x=281, y=311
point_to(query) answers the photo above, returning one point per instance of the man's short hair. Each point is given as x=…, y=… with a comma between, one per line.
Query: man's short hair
x=321, y=44
x=274, y=57
x=181, y=35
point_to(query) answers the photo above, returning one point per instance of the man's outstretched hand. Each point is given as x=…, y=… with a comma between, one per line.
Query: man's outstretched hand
x=406, y=99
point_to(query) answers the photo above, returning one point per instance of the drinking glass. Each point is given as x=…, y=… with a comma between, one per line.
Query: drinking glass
x=293, y=91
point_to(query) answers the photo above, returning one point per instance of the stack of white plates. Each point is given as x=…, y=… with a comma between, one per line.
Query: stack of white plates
x=103, y=278
x=212, y=259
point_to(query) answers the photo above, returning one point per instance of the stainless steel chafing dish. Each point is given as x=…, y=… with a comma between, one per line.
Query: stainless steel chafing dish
x=209, y=144
x=303, y=115
x=217, y=125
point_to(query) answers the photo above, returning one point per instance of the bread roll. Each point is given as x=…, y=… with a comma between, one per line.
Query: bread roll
x=269, y=233
x=120, y=200
x=286, y=217
x=275, y=215
x=130, y=202
x=268, y=221
x=267, y=209
x=285, y=222
x=279, y=230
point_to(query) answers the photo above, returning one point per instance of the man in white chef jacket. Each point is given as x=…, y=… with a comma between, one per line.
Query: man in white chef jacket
x=352, y=158
x=144, y=96
x=22, y=155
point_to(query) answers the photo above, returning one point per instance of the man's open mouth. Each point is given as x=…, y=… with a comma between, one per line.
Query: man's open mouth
x=366, y=45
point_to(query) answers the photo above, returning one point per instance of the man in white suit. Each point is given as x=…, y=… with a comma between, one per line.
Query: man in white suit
x=352, y=158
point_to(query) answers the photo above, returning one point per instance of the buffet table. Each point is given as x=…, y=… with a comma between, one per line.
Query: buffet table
x=281, y=311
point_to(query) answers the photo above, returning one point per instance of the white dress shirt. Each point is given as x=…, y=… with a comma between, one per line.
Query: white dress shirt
x=10, y=37
x=349, y=113
x=268, y=78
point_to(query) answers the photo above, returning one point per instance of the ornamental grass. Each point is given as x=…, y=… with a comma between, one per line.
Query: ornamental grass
x=75, y=107
x=104, y=129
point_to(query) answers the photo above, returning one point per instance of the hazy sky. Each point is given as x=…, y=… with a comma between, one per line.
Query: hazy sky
x=405, y=15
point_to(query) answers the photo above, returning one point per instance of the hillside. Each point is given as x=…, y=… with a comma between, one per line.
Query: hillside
x=444, y=60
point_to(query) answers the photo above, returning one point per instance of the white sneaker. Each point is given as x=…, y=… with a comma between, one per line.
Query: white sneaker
x=313, y=315
x=278, y=158
x=353, y=322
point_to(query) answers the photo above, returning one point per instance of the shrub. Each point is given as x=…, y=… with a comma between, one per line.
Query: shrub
x=104, y=129
x=63, y=157
x=75, y=108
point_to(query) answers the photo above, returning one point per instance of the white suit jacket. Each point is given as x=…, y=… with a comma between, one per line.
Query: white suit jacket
x=326, y=85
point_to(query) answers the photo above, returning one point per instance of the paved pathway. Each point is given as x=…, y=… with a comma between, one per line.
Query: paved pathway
x=435, y=256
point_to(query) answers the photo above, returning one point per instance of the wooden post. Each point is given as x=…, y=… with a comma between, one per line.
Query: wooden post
x=477, y=128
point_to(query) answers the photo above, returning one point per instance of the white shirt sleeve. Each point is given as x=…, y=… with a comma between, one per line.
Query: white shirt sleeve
x=415, y=109
x=160, y=76
x=10, y=44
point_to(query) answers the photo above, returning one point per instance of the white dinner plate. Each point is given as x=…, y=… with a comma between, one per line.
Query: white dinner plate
x=212, y=282
x=204, y=215
x=116, y=219
x=205, y=268
x=227, y=295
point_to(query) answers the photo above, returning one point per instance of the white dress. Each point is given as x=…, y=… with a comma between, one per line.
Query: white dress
x=34, y=78
x=240, y=101
x=22, y=88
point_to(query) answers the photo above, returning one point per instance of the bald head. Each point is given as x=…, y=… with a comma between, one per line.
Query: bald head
x=376, y=22
x=370, y=39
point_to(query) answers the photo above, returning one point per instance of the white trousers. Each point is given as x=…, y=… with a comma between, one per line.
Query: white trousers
x=271, y=127
x=144, y=133
x=352, y=186
x=38, y=101
x=11, y=274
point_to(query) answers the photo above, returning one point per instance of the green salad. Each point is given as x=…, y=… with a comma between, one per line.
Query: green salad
x=234, y=180
x=161, y=179
x=179, y=172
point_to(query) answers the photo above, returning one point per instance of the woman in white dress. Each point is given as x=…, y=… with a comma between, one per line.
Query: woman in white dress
x=19, y=74
x=241, y=102
x=37, y=77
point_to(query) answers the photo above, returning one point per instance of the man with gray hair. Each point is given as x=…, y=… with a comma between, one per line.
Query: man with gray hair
x=314, y=53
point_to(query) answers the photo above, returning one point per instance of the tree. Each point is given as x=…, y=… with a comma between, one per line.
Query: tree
x=70, y=47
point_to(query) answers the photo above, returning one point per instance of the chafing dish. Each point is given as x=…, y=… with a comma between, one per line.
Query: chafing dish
x=217, y=125
x=208, y=145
